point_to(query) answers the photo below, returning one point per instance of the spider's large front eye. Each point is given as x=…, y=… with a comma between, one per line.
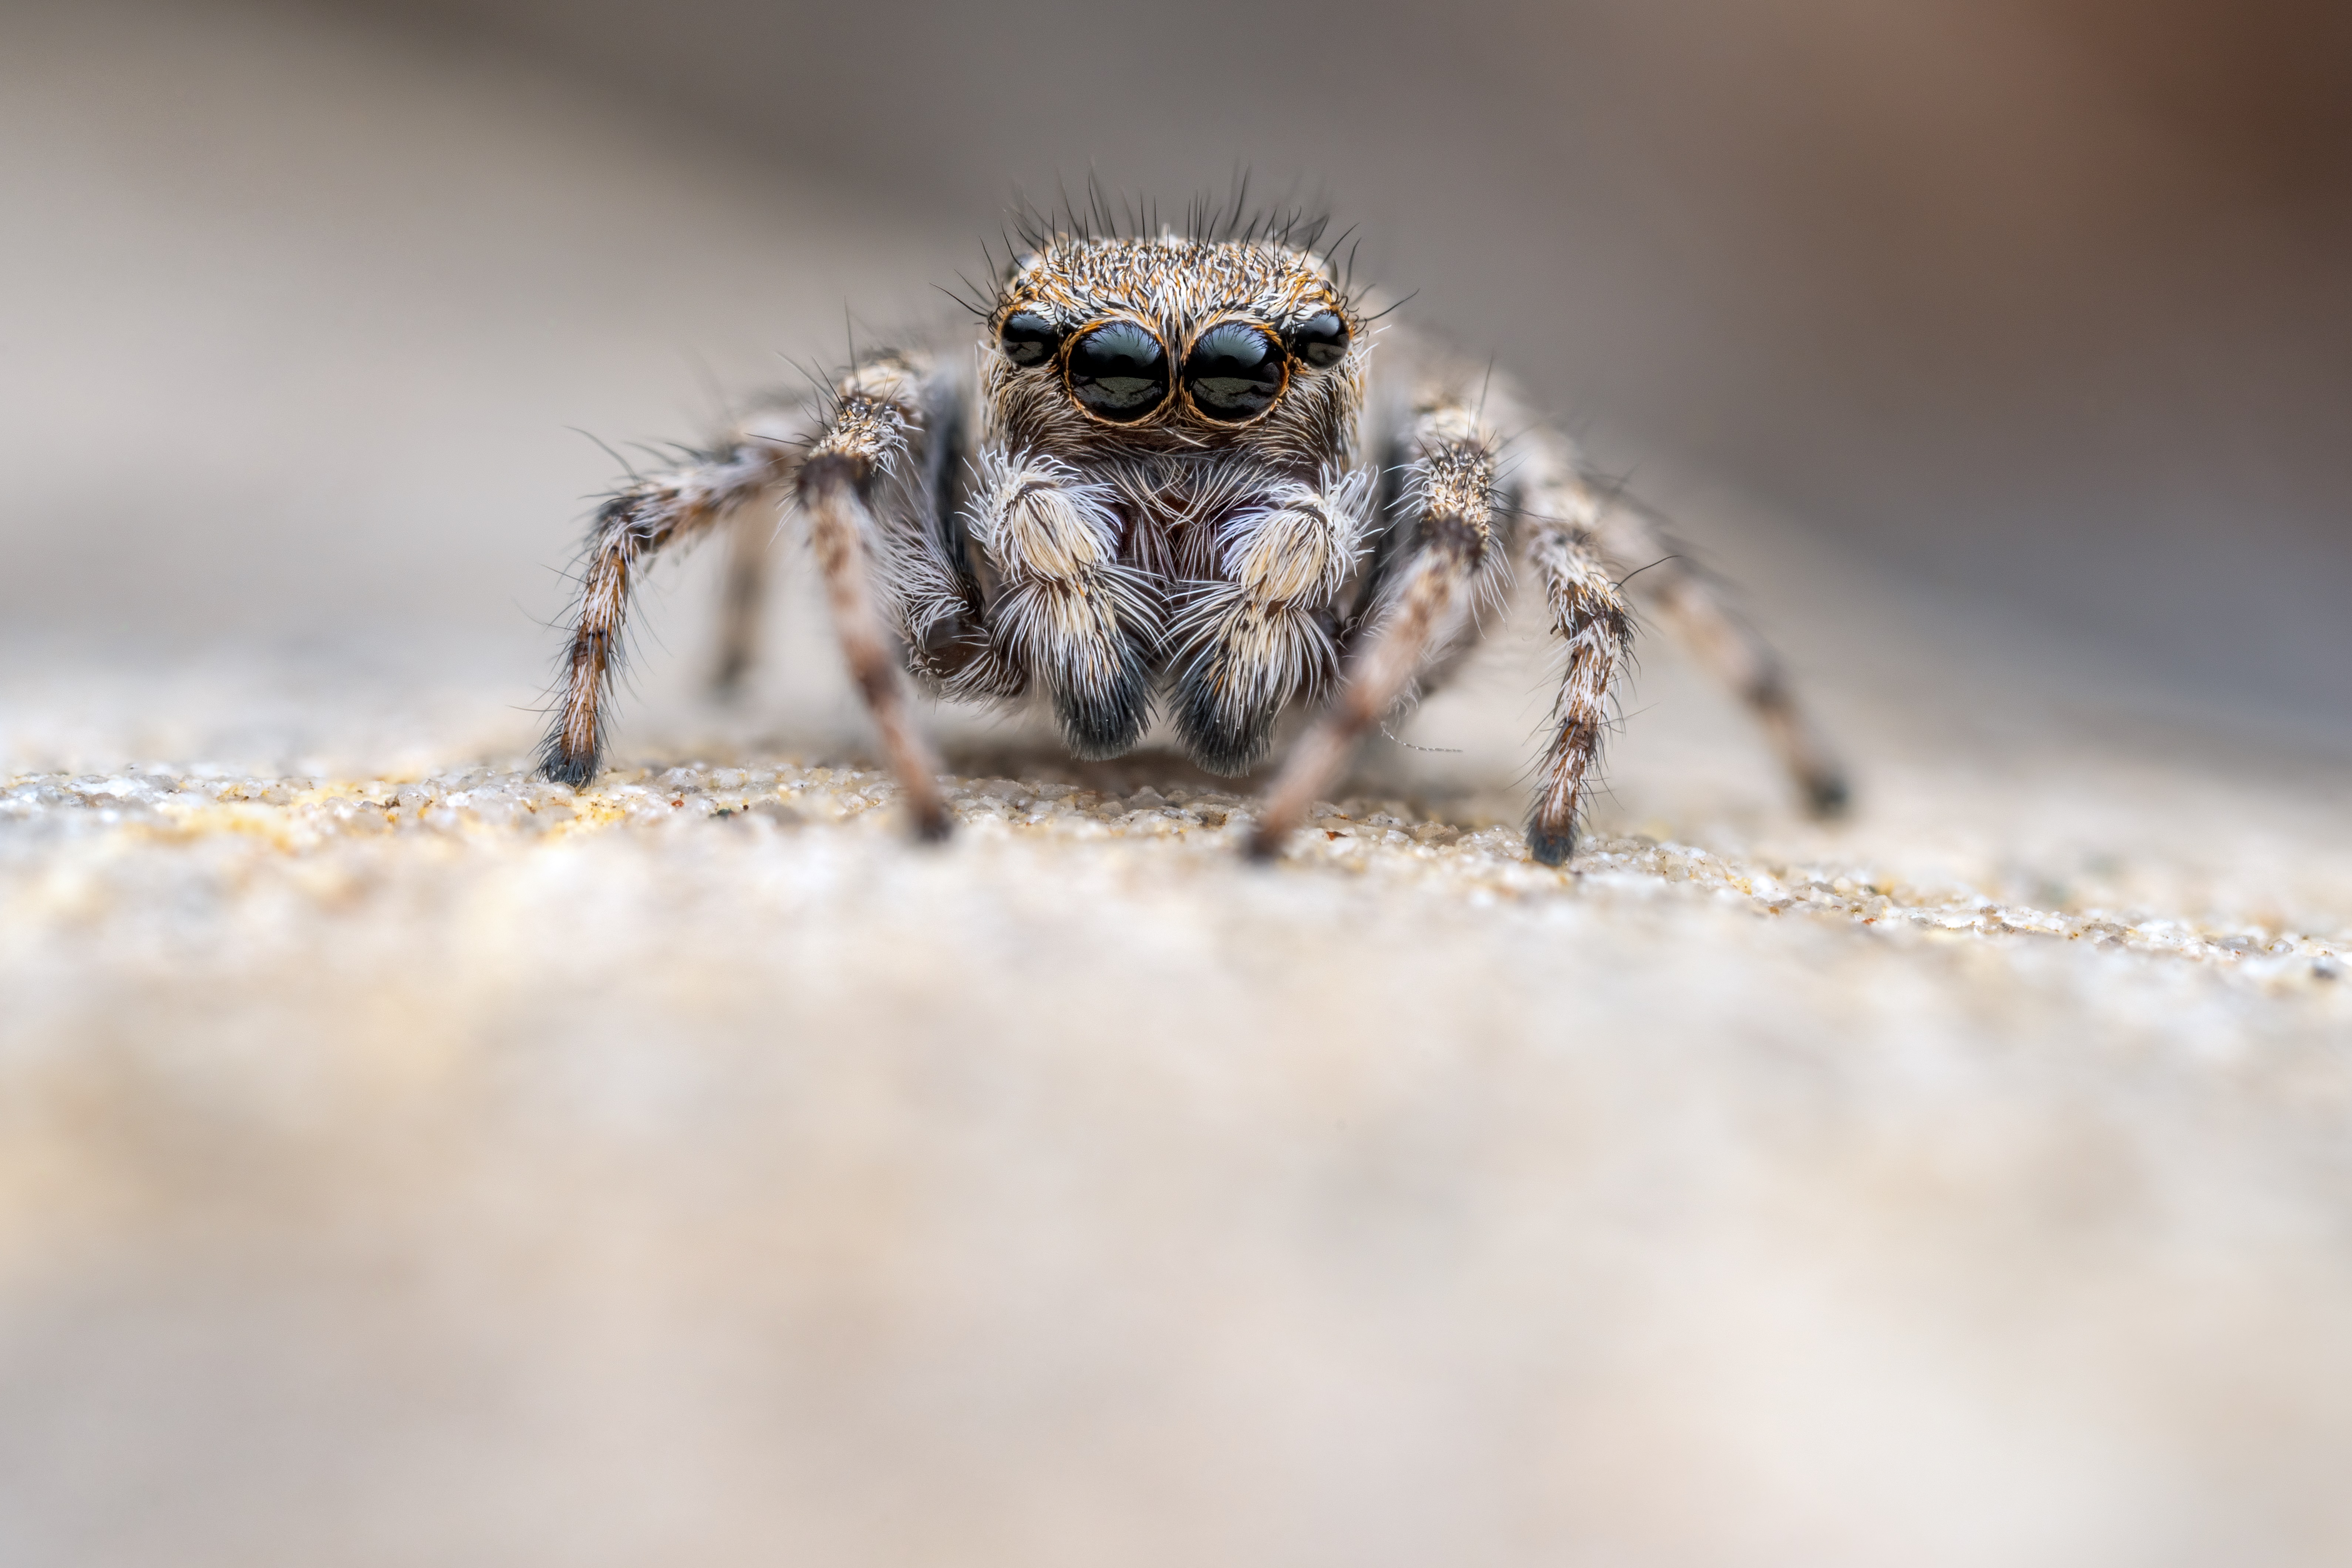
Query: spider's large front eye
x=1321, y=340
x=1234, y=371
x=1118, y=372
x=1028, y=338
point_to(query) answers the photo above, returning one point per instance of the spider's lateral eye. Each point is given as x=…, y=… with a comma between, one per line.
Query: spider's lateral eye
x=1234, y=371
x=1321, y=340
x=1029, y=339
x=1118, y=372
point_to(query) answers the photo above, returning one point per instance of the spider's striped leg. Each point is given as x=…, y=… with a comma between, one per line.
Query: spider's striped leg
x=637, y=523
x=1246, y=643
x=1065, y=609
x=1452, y=479
x=874, y=410
x=1689, y=603
x=1588, y=612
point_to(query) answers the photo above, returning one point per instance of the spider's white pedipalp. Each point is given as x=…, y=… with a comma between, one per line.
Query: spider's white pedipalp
x=1067, y=609
x=1260, y=633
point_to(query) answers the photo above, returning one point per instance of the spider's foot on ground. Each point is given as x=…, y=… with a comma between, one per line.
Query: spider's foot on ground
x=1550, y=845
x=1264, y=844
x=559, y=766
x=932, y=823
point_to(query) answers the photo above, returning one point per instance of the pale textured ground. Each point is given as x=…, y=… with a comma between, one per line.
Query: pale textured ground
x=407, y=1162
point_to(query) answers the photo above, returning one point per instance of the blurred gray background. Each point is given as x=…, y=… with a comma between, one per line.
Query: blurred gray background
x=2035, y=307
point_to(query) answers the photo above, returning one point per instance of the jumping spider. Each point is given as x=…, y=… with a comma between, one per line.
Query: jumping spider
x=1175, y=471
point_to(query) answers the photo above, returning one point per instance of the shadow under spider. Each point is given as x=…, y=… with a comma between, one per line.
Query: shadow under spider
x=1045, y=762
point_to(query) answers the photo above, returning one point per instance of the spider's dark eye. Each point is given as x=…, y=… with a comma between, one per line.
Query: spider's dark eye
x=1234, y=371
x=1118, y=372
x=1029, y=339
x=1321, y=340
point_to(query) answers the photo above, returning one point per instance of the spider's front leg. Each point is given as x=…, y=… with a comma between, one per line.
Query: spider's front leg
x=1588, y=613
x=637, y=523
x=1452, y=478
x=872, y=410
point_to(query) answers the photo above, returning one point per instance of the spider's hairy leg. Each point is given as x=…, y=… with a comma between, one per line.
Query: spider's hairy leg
x=1067, y=611
x=749, y=535
x=1689, y=603
x=1452, y=479
x=873, y=410
x=1248, y=642
x=1588, y=612
x=654, y=512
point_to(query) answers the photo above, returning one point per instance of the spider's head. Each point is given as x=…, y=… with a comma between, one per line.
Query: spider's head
x=1111, y=345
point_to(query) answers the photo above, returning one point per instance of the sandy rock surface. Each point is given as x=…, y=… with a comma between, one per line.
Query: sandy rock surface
x=407, y=1161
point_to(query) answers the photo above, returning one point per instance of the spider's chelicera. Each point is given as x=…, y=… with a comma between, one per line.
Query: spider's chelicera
x=1174, y=475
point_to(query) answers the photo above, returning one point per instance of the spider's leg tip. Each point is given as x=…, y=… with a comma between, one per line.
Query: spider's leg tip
x=727, y=681
x=1552, y=846
x=562, y=768
x=1828, y=796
